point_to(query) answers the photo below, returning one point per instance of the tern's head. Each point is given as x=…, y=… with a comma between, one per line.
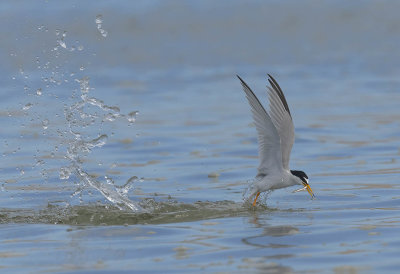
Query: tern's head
x=302, y=179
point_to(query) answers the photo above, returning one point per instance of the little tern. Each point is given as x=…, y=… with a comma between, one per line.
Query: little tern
x=275, y=140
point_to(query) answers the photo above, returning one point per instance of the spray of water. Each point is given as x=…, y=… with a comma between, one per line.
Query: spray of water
x=80, y=147
x=85, y=116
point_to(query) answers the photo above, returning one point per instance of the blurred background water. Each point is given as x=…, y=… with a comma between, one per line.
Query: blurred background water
x=127, y=142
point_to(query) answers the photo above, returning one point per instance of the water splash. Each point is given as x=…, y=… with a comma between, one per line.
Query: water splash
x=247, y=196
x=69, y=143
x=78, y=118
x=169, y=211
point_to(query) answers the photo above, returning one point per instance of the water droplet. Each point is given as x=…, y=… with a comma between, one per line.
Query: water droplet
x=65, y=172
x=45, y=123
x=110, y=117
x=62, y=44
x=99, y=22
x=100, y=141
x=132, y=116
x=109, y=180
x=84, y=84
x=104, y=33
x=39, y=91
x=99, y=19
x=27, y=106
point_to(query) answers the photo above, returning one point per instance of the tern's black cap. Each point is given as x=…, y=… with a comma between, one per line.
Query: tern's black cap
x=301, y=174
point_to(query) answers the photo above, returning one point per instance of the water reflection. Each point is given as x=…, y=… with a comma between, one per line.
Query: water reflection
x=268, y=231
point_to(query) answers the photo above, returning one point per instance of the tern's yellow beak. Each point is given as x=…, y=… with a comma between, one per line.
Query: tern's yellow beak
x=306, y=187
x=309, y=190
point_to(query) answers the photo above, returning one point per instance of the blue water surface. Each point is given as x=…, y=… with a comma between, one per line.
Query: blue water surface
x=106, y=105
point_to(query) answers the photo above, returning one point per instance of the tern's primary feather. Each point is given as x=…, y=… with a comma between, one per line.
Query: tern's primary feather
x=278, y=89
x=268, y=137
x=282, y=120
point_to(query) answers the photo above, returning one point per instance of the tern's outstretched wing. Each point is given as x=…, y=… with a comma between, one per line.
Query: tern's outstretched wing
x=269, y=148
x=282, y=119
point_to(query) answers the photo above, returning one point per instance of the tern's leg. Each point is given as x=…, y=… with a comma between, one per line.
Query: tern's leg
x=255, y=200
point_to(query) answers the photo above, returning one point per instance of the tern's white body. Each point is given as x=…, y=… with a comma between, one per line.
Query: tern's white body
x=273, y=181
x=275, y=140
